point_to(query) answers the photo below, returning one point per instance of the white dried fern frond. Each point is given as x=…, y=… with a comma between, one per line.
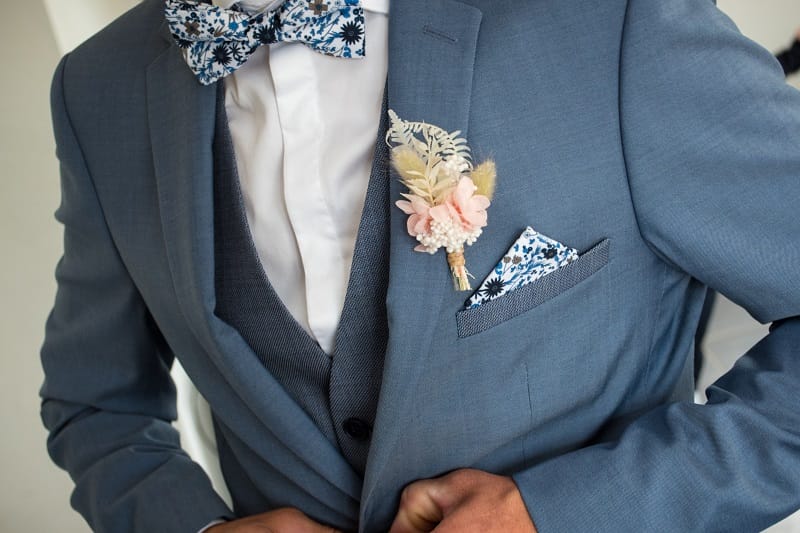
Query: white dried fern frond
x=436, y=142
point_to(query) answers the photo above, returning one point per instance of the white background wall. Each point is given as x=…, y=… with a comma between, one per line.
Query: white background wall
x=33, y=493
x=74, y=20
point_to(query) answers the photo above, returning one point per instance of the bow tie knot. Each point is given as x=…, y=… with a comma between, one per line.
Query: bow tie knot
x=216, y=41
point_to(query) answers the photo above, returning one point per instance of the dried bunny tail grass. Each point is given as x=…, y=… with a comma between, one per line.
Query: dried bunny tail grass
x=408, y=163
x=484, y=177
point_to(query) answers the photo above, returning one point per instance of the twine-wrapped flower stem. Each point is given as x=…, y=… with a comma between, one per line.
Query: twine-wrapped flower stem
x=458, y=268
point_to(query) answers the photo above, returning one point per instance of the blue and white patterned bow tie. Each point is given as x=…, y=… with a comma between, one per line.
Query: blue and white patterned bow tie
x=217, y=41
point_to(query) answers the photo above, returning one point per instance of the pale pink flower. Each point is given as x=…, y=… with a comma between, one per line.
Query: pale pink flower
x=463, y=207
x=419, y=221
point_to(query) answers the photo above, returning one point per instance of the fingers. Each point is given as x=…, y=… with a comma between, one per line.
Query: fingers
x=286, y=520
x=419, y=509
x=296, y=522
x=462, y=501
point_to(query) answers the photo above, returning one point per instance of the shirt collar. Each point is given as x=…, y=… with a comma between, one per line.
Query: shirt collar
x=376, y=6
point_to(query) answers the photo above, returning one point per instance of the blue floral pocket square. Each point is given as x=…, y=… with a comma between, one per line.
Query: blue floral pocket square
x=531, y=257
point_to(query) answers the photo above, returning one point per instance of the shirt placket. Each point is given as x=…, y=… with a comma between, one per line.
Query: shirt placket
x=297, y=93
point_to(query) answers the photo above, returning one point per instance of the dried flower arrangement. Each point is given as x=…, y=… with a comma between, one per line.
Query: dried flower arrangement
x=447, y=196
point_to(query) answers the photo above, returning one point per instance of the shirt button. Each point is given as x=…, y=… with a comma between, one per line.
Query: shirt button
x=358, y=429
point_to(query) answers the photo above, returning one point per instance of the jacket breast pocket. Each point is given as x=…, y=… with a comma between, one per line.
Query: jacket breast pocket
x=472, y=321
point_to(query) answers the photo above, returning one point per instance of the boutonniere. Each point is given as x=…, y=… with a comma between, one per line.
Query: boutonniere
x=447, y=196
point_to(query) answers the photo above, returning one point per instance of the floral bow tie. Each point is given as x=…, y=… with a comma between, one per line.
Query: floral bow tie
x=217, y=41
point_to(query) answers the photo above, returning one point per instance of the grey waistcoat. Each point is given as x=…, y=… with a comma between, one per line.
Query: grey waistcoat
x=339, y=392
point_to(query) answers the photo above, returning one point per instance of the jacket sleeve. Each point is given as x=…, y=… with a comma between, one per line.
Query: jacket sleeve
x=711, y=137
x=108, y=400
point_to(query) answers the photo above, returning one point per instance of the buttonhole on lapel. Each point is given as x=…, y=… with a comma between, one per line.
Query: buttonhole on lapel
x=439, y=35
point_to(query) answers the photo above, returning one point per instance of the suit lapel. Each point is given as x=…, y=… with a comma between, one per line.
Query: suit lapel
x=181, y=113
x=431, y=54
x=182, y=120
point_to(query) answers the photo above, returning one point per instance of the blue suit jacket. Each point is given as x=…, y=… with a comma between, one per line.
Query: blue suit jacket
x=651, y=135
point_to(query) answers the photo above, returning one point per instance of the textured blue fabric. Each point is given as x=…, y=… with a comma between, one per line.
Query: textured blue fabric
x=655, y=127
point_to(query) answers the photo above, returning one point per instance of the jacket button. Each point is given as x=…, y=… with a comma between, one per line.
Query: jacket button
x=357, y=429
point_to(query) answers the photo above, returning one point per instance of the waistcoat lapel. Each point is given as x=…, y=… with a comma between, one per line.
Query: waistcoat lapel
x=431, y=55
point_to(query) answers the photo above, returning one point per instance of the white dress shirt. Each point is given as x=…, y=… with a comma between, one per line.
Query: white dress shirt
x=304, y=127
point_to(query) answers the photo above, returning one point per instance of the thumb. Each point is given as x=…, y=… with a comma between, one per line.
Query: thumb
x=419, y=510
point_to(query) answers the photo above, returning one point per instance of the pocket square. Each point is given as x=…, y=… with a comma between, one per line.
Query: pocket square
x=531, y=257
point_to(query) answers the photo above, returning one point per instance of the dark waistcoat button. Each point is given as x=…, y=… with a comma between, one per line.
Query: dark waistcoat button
x=358, y=429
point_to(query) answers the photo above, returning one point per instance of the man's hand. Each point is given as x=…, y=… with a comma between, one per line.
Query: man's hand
x=461, y=502
x=278, y=521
